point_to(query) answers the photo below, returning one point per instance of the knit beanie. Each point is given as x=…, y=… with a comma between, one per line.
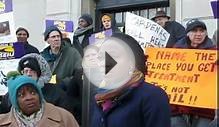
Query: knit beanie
x=140, y=58
x=87, y=18
x=29, y=62
x=15, y=83
x=22, y=29
x=49, y=30
x=194, y=23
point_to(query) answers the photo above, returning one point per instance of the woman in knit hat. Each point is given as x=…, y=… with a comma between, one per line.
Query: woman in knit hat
x=133, y=103
x=29, y=108
x=108, y=22
x=83, y=32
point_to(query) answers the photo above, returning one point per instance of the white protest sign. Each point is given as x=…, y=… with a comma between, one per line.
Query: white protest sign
x=145, y=31
x=6, y=66
x=7, y=31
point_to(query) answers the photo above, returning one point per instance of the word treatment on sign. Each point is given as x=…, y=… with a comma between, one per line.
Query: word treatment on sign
x=182, y=74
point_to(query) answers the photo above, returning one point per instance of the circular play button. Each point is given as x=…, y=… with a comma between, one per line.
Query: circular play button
x=109, y=65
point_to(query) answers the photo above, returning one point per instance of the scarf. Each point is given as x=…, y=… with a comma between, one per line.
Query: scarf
x=81, y=31
x=104, y=99
x=28, y=121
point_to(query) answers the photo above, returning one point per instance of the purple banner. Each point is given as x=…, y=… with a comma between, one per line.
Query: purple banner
x=214, y=5
x=11, y=50
x=5, y=6
x=67, y=26
x=95, y=38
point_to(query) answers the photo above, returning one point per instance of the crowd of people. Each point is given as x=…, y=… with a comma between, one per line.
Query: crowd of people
x=32, y=100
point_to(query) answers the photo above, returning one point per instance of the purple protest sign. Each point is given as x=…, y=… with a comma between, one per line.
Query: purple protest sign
x=11, y=50
x=96, y=37
x=214, y=6
x=5, y=6
x=67, y=26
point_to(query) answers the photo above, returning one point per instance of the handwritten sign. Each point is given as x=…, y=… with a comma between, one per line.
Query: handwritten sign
x=145, y=31
x=188, y=76
x=7, y=31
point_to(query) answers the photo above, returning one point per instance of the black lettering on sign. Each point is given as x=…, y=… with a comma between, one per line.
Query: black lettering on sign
x=167, y=55
x=207, y=67
x=205, y=56
x=184, y=66
x=175, y=97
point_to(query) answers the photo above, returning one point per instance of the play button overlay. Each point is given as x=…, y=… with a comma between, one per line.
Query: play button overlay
x=109, y=65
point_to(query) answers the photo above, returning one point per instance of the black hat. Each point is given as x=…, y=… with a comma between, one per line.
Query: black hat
x=87, y=18
x=29, y=62
x=49, y=30
x=22, y=29
x=140, y=58
x=194, y=23
x=160, y=14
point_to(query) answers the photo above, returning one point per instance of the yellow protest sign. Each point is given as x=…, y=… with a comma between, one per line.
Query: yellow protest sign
x=187, y=75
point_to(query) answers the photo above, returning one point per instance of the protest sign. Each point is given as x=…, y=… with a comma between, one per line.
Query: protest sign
x=145, y=31
x=6, y=66
x=66, y=27
x=187, y=75
x=7, y=31
x=98, y=38
x=214, y=6
x=11, y=50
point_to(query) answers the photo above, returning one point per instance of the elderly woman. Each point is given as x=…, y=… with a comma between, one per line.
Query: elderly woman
x=29, y=108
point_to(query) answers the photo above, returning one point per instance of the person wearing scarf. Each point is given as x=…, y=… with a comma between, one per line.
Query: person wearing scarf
x=134, y=104
x=82, y=33
x=29, y=109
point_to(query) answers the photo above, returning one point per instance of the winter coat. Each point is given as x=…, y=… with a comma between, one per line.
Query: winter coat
x=28, y=48
x=85, y=42
x=142, y=106
x=65, y=65
x=52, y=93
x=53, y=116
x=186, y=43
x=176, y=31
x=201, y=112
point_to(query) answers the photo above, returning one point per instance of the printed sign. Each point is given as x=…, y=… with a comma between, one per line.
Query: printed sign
x=188, y=76
x=145, y=31
x=7, y=31
x=6, y=66
x=11, y=50
x=99, y=37
x=5, y=6
x=214, y=5
x=66, y=27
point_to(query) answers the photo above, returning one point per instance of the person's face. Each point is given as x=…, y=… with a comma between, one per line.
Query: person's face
x=82, y=23
x=28, y=100
x=30, y=73
x=22, y=36
x=91, y=57
x=106, y=23
x=118, y=52
x=161, y=21
x=54, y=40
x=197, y=36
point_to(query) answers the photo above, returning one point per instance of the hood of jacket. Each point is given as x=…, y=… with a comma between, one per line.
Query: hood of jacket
x=46, y=73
